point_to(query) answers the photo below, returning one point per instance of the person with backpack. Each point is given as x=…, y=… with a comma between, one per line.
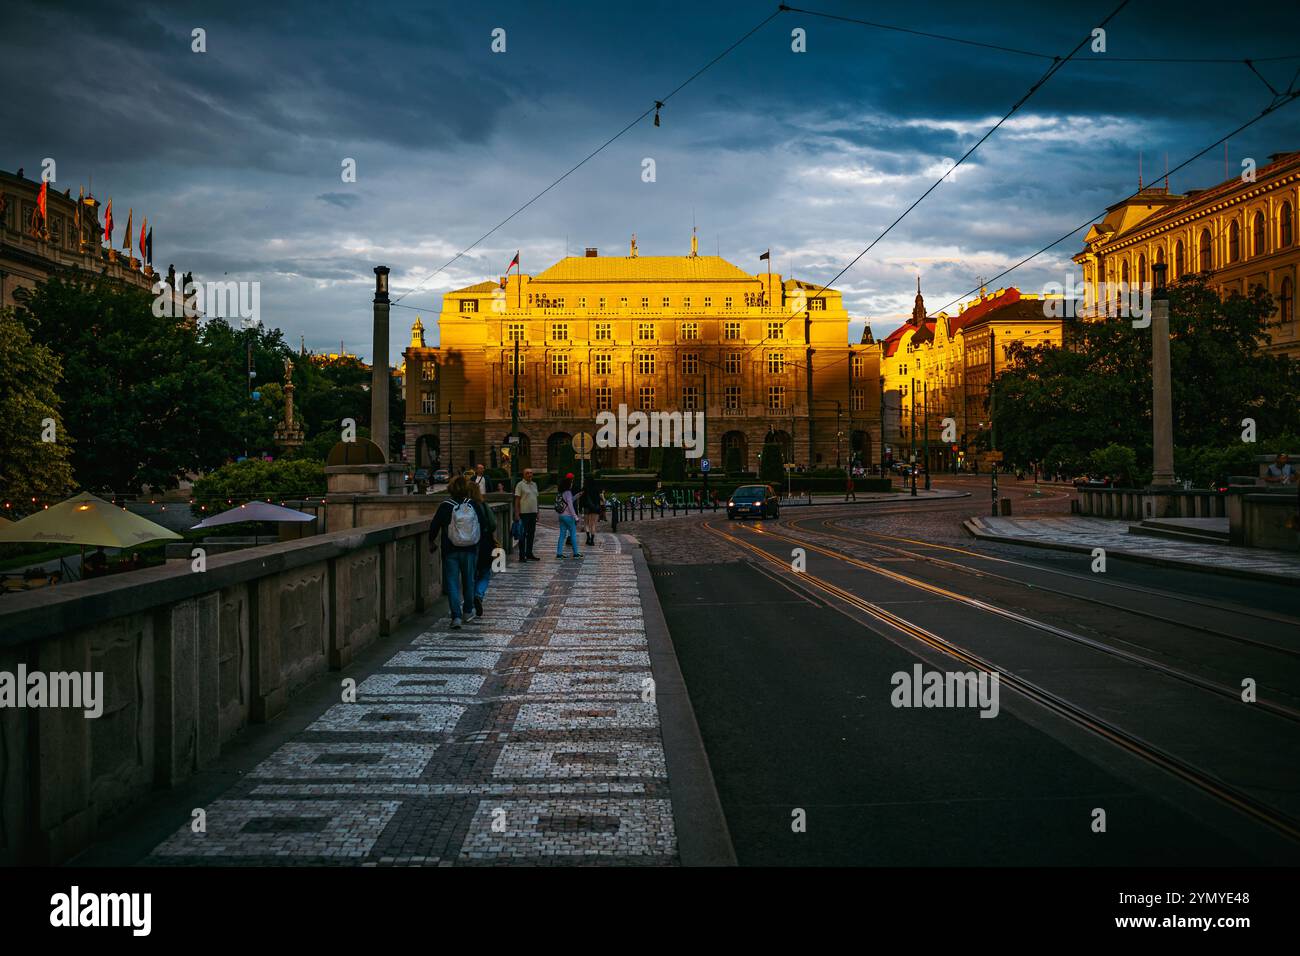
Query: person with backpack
x=568, y=517
x=456, y=528
x=487, y=544
x=590, y=503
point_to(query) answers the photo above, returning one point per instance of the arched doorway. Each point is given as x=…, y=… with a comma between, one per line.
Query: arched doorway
x=860, y=443
x=782, y=438
x=523, y=451
x=426, y=451
x=554, y=444
x=737, y=441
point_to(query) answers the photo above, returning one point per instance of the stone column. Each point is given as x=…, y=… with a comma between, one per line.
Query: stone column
x=379, y=382
x=1162, y=415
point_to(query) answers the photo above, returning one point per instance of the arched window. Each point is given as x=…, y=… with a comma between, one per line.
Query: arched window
x=1123, y=275
x=1142, y=269
x=1284, y=221
x=1178, y=260
x=1207, y=252
x=1258, y=238
x=1286, y=301
x=1234, y=242
x=1160, y=255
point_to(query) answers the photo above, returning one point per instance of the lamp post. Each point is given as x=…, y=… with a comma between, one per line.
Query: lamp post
x=925, y=412
x=514, y=422
x=379, y=383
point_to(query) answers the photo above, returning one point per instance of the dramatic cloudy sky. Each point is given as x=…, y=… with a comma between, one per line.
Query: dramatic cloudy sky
x=235, y=154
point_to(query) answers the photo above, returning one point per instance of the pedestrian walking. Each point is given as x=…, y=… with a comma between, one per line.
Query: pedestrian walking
x=849, y=493
x=480, y=479
x=487, y=545
x=526, y=513
x=455, y=530
x=564, y=507
x=590, y=504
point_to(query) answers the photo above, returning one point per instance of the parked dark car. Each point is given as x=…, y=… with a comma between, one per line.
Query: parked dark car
x=756, y=500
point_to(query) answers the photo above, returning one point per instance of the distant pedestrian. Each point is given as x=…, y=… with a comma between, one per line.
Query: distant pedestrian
x=526, y=512
x=455, y=529
x=849, y=493
x=590, y=504
x=1280, y=472
x=487, y=545
x=564, y=507
x=480, y=479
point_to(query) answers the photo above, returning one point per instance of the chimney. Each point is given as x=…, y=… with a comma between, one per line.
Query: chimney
x=591, y=252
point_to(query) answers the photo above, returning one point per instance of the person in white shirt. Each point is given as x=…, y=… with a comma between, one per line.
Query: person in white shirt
x=480, y=479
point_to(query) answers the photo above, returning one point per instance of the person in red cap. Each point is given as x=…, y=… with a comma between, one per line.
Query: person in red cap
x=568, y=517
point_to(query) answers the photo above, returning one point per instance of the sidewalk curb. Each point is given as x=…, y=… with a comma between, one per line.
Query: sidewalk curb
x=702, y=835
x=976, y=529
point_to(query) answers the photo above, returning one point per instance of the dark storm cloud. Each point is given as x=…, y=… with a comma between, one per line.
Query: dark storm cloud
x=235, y=154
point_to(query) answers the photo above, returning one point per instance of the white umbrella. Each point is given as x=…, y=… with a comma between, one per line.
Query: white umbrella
x=255, y=511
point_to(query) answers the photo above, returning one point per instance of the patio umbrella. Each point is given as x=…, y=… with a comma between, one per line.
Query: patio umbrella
x=86, y=520
x=255, y=511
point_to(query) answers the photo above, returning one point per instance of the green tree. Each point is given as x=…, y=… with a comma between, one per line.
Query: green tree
x=29, y=377
x=770, y=466
x=1115, y=461
x=257, y=480
x=673, y=467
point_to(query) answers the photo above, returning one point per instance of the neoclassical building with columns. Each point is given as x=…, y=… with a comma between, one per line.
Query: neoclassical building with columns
x=1242, y=233
x=681, y=333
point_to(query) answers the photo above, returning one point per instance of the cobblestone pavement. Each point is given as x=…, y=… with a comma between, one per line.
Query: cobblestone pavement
x=1085, y=533
x=530, y=739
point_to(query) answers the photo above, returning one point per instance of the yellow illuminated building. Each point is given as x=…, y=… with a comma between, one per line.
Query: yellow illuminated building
x=659, y=333
x=932, y=369
x=1242, y=233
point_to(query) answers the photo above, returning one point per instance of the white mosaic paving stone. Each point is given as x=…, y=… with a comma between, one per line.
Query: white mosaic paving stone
x=644, y=828
x=406, y=686
x=567, y=759
x=583, y=682
x=630, y=640
x=441, y=657
x=367, y=718
x=350, y=829
x=400, y=789
x=595, y=657
x=316, y=759
x=587, y=715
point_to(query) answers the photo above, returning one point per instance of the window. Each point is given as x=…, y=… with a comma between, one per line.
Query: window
x=859, y=364
x=1179, y=260
x=645, y=331
x=1206, y=262
x=510, y=363
x=1142, y=269
x=817, y=305
x=858, y=401
x=560, y=363
x=603, y=331
x=776, y=363
x=731, y=330
x=604, y=398
x=686, y=302
x=1285, y=227
x=1234, y=241
x=726, y=303
x=732, y=363
x=622, y=302
x=515, y=332
x=520, y=403
x=690, y=363
x=690, y=398
x=469, y=305
x=776, y=330
x=582, y=301
x=645, y=363
x=776, y=396
x=427, y=406
x=731, y=397
x=600, y=303
x=560, y=332
x=665, y=302
x=690, y=331
x=426, y=371
x=604, y=362
x=645, y=302
x=646, y=397
x=708, y=301
x=559, y=399
x=1257, y=238
x=1286, y=301
x=1124, y=278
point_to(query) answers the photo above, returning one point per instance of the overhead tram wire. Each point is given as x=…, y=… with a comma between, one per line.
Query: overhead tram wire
x=1277, y=104
x=658, y=104
x=1051, y=71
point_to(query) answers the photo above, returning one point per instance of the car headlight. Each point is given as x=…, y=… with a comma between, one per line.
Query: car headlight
x=731, y=504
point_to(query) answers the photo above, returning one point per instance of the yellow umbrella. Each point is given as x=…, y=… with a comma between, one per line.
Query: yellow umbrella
x=86, y=520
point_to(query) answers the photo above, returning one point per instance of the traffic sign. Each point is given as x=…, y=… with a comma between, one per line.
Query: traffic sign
x=705, y=466
x=582, y=445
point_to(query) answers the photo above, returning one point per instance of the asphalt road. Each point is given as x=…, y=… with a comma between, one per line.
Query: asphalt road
x=791, y=685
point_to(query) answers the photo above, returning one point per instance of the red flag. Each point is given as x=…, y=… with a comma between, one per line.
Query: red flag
x=108, y=223
x=40, y=200
x=513, y=262
x=144, y=222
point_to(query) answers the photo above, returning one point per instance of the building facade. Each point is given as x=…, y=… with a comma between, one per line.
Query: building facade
x=69, y=238
x=1241, y=233
x=932, y=369
x=655, y=333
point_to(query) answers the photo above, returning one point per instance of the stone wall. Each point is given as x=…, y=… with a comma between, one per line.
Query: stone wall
x=189, y=659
